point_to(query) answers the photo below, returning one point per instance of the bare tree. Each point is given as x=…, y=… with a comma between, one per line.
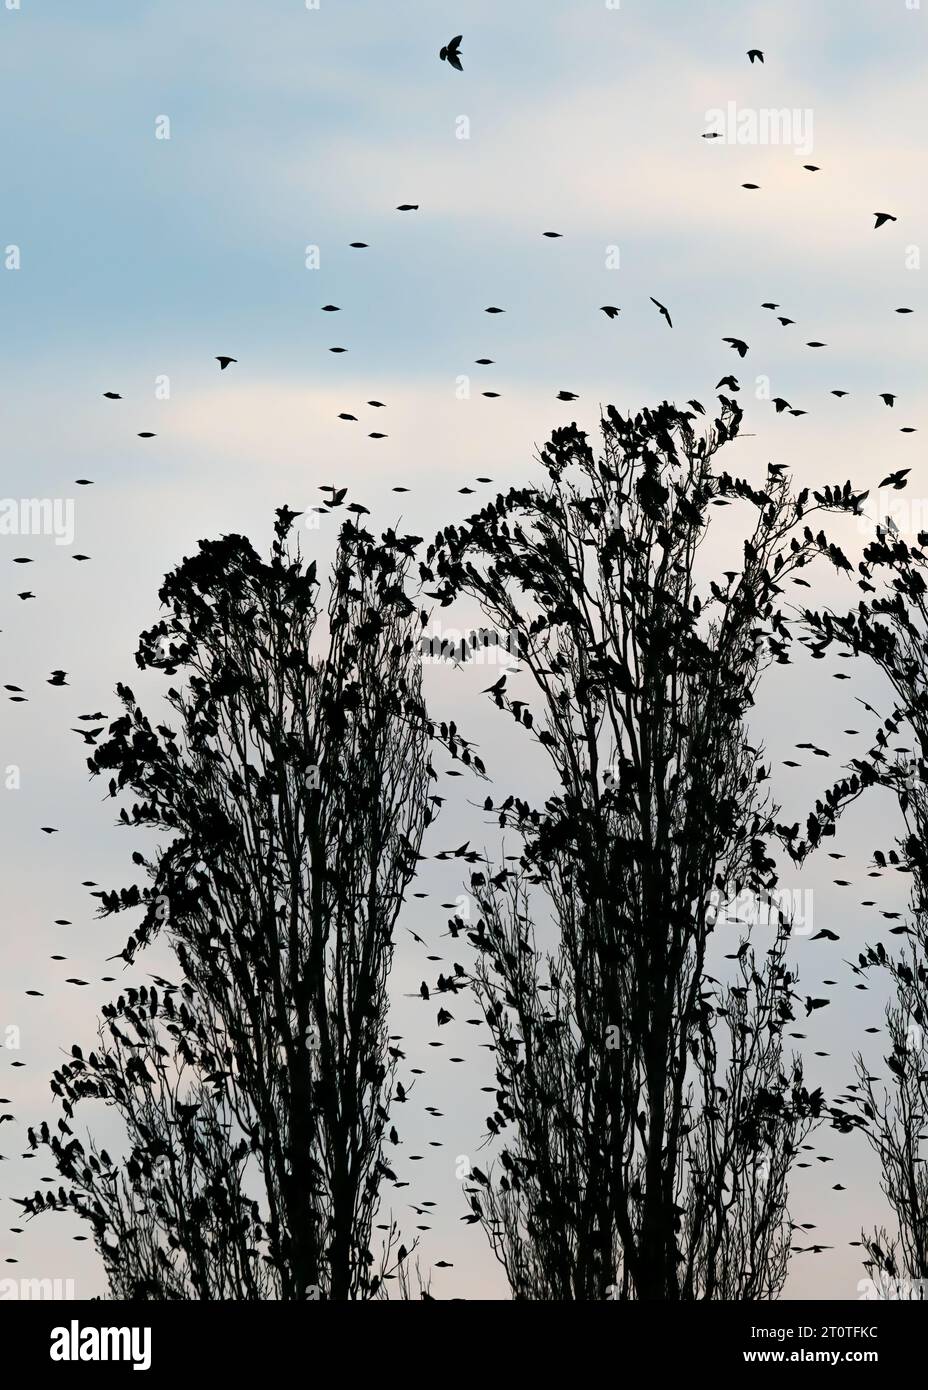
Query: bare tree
x=649, y=1113
x=891, y=630
x=293, y=792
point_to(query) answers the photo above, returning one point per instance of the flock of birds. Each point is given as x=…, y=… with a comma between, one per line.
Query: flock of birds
x=448, y=985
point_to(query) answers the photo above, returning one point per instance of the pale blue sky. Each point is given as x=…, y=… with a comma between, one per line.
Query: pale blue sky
x=144, y=258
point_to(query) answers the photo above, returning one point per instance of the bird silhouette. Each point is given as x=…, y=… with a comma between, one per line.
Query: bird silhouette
x=451, y=52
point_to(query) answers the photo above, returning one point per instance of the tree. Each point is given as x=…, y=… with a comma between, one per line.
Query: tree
x=649, y=1112
x=293, y=793
x=891, y=630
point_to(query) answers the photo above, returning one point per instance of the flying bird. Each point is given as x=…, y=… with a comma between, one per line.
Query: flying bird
x=451, y=53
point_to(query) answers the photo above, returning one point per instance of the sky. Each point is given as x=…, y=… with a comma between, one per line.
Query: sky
x=128, y=261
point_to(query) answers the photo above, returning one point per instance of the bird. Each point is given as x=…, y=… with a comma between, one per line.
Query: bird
x=882, y=218
x=112, y=395
x=738, y=344
x=567, y=396
x=888, y=398
x=610, y=310
x=755, y=55
x=451, y=53
x=224, y=362
x=662, y=309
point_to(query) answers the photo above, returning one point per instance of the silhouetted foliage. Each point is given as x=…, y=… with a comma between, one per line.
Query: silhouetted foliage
x=890, y=628
x=292, y=793
x=649, y=1113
